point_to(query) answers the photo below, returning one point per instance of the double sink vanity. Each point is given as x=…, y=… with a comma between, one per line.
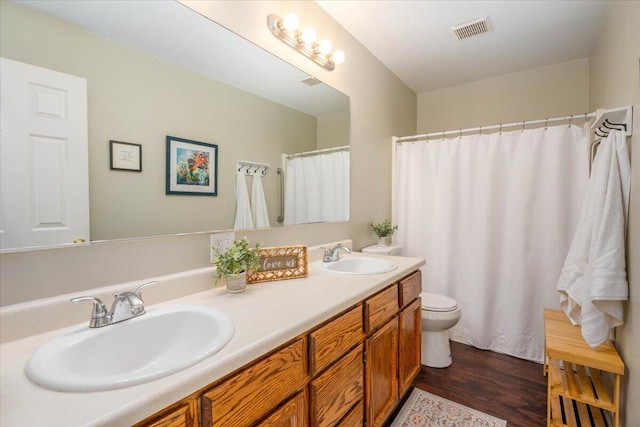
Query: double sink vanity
x=335, y=348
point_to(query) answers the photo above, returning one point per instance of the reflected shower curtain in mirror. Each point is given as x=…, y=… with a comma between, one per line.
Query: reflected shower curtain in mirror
x=493, y=215
x=317, y=189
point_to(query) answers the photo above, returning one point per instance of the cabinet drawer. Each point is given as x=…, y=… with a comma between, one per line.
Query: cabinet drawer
x=332, y=340
x=380, y=308
x=291, y=413
x=355, y=417
x=410, y=288
x=253, y=392
x=340, y=387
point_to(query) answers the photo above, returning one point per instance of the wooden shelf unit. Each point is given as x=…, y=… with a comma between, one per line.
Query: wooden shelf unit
x=577, y=394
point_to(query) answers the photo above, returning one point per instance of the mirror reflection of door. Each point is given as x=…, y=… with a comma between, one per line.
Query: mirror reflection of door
x=44, y=146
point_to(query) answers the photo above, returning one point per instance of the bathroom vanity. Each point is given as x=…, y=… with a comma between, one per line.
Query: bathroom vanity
x=329, y=349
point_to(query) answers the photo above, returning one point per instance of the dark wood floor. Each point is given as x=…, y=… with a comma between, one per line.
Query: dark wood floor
x=503, y=386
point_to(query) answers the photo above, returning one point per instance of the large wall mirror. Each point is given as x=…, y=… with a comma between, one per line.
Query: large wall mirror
x=157, y=68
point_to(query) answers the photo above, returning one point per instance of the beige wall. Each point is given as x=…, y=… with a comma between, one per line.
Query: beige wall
x=615, y=80
x=141, y=99
x=381, y=106
x=554, y=91
x=333, y=130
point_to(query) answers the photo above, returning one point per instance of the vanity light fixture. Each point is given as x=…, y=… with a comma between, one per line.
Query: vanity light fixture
x=286, y=30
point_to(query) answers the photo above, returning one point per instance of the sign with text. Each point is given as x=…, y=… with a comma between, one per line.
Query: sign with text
x=280, y=263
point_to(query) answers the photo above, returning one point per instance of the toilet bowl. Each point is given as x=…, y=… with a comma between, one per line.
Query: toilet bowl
x=439, y=314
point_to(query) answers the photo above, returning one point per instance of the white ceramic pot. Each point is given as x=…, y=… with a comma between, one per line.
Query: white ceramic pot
x=237, y=283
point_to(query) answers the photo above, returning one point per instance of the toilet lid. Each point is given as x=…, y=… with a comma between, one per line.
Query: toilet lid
x=435, y=302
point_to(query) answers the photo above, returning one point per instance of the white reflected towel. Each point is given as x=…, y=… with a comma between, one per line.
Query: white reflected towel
x=259, y=211
x=593, y=281
x=243, y=209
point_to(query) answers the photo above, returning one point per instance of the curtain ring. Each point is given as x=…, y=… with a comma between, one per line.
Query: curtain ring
x=480, y=130
x=460, y=133
x=570, y=119
x=546, y=123
x=523, y=126
x=586, y=119
x=443, y=135
x=500, y=133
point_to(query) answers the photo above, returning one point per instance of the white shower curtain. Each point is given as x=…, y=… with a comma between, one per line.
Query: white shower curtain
x=493, y=216
x=317, y=189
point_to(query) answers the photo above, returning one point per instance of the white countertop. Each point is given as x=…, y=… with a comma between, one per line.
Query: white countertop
x=265, y=316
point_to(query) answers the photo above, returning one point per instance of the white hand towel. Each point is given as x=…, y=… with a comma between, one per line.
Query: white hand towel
x=259, y=211
x=593, y=281
x=243, y=209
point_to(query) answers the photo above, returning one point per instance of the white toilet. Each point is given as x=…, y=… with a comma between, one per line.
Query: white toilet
x=439, y=314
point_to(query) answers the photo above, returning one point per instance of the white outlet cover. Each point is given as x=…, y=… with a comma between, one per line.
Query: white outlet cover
x=221, y=241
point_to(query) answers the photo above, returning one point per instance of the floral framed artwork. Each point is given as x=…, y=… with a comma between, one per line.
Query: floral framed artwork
x=125, y=156
x=192, y=167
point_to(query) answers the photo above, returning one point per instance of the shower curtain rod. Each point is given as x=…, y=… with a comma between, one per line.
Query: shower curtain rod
x=324, y=150
x=599, y=115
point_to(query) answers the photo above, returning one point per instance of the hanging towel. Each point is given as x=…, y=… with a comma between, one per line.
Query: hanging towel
x=243, y=209
x=259, y=211
x=593, y=281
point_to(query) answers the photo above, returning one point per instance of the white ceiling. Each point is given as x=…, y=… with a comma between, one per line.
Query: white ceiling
x=414, y=40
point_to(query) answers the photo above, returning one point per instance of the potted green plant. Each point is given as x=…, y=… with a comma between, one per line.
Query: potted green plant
x=234, y=262
x=384, y=230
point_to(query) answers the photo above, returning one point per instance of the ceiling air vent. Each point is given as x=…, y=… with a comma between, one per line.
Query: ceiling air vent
x=310, y=81
x=472, y=28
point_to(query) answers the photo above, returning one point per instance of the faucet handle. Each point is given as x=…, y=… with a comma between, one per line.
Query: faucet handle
x=141, y=287
x=99, y=312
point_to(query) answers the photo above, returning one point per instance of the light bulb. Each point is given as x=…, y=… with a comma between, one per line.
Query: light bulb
x=338, y=56
x=290, y=22
x=325, y=47
x=309, y=35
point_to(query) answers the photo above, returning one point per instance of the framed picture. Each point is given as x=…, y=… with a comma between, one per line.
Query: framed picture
x=192, y=167
x=125, y=156
x=280, y=263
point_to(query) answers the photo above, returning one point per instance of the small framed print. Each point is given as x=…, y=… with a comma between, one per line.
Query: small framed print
x=192, y=167
x=125, y=156
x=280, y=263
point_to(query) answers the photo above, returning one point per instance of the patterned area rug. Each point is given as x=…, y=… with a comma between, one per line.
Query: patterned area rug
x=425, y=409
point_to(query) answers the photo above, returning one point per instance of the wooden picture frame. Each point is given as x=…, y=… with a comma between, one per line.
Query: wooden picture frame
x=192, y=167
x=280, y=263
x=125, y=156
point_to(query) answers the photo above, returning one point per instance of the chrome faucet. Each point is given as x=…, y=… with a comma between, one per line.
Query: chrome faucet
x=126, y=305
x=331, y=255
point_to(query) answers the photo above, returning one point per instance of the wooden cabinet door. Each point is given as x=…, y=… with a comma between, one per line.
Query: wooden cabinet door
x=293, y=413
x=180, y=415
x=337, y=390
x=409, y=337
x=382, y=373
x=249, y=395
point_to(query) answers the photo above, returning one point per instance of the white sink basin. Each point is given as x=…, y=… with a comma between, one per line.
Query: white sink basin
x=357, y=265
x=158, y=343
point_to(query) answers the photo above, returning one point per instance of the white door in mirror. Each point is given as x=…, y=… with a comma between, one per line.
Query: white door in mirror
x=45, y=174
x=163, y=341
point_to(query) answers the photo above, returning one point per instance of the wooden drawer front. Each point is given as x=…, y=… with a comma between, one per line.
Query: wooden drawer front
x=380, y=308
x=333, y=339
x=410, y=288
x=184, y=415
x=291, y=414
x=334, y=392
x=355, y=417
x=252, y=393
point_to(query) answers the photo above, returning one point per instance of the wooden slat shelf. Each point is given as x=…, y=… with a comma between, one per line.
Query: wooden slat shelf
x=577, y=394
